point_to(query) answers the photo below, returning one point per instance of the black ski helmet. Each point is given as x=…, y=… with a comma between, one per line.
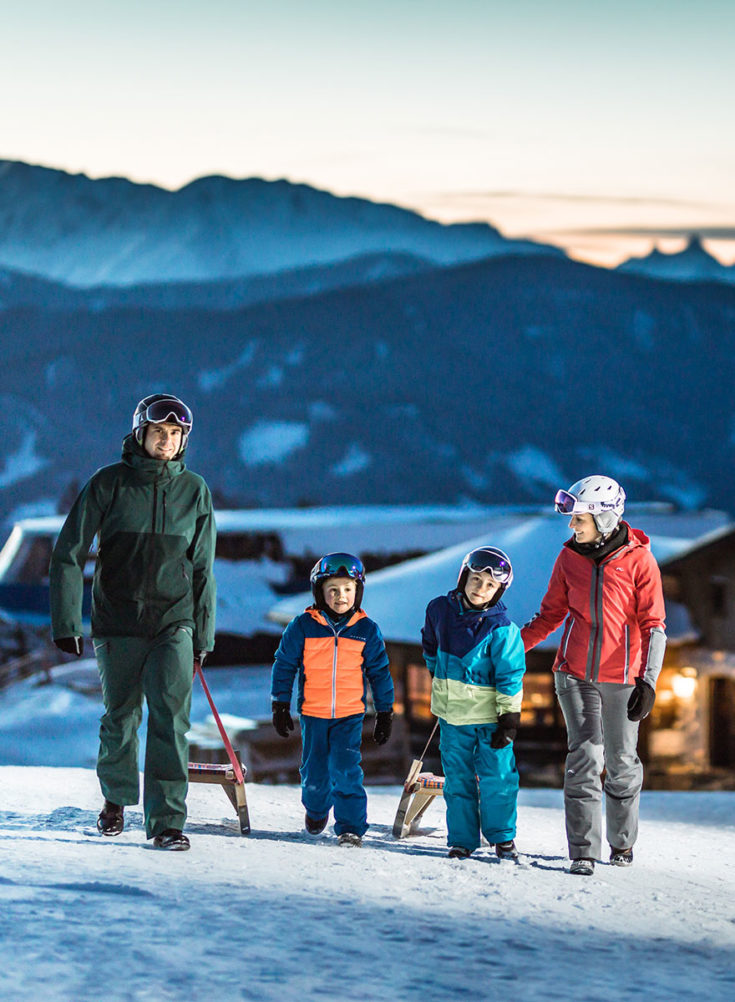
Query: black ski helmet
x=159, y=408
x=334, y=565
x=495, y=562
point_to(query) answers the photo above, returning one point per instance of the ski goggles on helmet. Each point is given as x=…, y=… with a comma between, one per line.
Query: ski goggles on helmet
x=493, y=562
x=161, y=411
x=338, y=565
x=565, y=503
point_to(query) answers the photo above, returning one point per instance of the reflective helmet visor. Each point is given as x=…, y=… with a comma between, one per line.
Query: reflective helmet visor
x=161, y=411
x=564, y=502
x=496, y=565
x=338, y=565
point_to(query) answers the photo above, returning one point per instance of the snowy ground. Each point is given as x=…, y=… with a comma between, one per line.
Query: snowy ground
x=279, y=916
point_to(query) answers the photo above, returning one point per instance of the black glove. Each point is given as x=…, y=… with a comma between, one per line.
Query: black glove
x=506, y=730
x=641, y=700
x=282, y=718
x=383, y=726
x=70, y=645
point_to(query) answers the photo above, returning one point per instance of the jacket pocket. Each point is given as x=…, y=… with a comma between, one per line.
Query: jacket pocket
x=565, y=638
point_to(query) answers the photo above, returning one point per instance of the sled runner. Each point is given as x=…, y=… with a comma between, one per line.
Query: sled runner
x=231, y=777
x=419, y=790
x=224, y=775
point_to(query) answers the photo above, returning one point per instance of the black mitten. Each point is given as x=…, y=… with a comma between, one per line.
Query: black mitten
x=282, y=718
x=383, y=726
x=506, y=730
x=70, y=645
x=641, y=700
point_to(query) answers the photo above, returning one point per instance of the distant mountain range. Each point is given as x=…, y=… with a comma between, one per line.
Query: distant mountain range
x=112, y=232
x=693, y=264
x=498, y=380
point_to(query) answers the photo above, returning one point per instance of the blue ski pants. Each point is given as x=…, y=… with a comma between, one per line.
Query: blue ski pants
x=480, y=785
x=331, y=773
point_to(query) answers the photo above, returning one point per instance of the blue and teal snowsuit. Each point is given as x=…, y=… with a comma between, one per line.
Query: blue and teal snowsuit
x=477, y=664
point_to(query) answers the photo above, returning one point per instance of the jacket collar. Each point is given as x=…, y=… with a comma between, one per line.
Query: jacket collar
x=497, y=611
x=319, y=617
x=148, y=469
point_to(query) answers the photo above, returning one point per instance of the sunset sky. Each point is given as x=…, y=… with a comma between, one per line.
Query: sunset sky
x=604, y=127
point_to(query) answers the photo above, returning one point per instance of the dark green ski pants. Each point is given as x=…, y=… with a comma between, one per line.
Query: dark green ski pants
x=161, y=670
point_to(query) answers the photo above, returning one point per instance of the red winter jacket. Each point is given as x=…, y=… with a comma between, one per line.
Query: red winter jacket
x=614, y=612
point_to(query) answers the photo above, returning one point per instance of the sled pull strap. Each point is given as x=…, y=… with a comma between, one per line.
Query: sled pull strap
x=223, y=733
x=433, y=732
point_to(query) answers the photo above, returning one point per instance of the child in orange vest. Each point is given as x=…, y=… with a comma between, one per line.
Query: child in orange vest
x=335, y=650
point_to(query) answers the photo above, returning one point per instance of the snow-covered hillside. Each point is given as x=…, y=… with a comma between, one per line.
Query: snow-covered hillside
x=280, y=916
x=87, y=232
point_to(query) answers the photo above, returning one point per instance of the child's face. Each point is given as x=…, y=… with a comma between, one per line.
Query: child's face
x=480, y=587
x=340, y=594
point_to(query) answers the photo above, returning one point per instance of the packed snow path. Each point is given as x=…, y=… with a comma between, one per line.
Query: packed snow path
x=279, y=915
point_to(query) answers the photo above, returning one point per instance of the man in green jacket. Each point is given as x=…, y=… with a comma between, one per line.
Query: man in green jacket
x=153, y=602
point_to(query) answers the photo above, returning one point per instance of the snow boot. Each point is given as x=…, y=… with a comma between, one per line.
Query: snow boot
x=459, y=852
x=315, y=826
x=506, y=850
x=582, y=867
x=111, y=820
x=172, y=839
x=350, y=838
x=621, y=857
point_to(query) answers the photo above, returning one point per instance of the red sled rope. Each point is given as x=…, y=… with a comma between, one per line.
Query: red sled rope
x=223, y=733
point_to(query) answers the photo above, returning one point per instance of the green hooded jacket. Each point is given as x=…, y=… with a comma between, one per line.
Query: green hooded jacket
x=156, y=537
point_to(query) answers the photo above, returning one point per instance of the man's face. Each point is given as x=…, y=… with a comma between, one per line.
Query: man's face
x=162, y=441
x=339, y=594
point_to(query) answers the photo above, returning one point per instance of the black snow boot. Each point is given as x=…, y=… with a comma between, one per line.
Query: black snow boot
x=172, y=839
x=621, y=857
x=111, y=820
x=506, y=850
x=315, y=826
x=459, y=852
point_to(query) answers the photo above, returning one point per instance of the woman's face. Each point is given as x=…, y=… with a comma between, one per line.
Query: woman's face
x=584, y=528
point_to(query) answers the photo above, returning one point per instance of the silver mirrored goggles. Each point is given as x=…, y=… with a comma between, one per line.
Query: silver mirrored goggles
x=565, y=503
x=496, y=565
x=338, y=564
x=161, y=411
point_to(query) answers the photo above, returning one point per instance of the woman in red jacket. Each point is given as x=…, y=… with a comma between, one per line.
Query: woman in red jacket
x=607, y=586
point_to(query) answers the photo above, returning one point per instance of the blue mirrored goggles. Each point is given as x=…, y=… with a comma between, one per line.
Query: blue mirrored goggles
x=565, y=503
x=339, y=565
x=161, y=411
x=496, y=564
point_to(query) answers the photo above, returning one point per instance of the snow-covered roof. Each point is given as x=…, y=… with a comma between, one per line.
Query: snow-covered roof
x=397, y=597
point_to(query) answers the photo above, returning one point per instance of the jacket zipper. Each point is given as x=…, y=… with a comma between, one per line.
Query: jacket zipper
x=149, y=589
x=592, y=666
x=598, y=613
x=334, y=667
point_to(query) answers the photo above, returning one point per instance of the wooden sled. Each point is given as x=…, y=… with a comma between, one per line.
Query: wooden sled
x=224, y=776
x=419, y=790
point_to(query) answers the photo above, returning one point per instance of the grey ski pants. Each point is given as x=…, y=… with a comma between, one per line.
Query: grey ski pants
x=599, y=735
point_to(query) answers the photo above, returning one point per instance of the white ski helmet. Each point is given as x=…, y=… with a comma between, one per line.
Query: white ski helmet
x=601, y=497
